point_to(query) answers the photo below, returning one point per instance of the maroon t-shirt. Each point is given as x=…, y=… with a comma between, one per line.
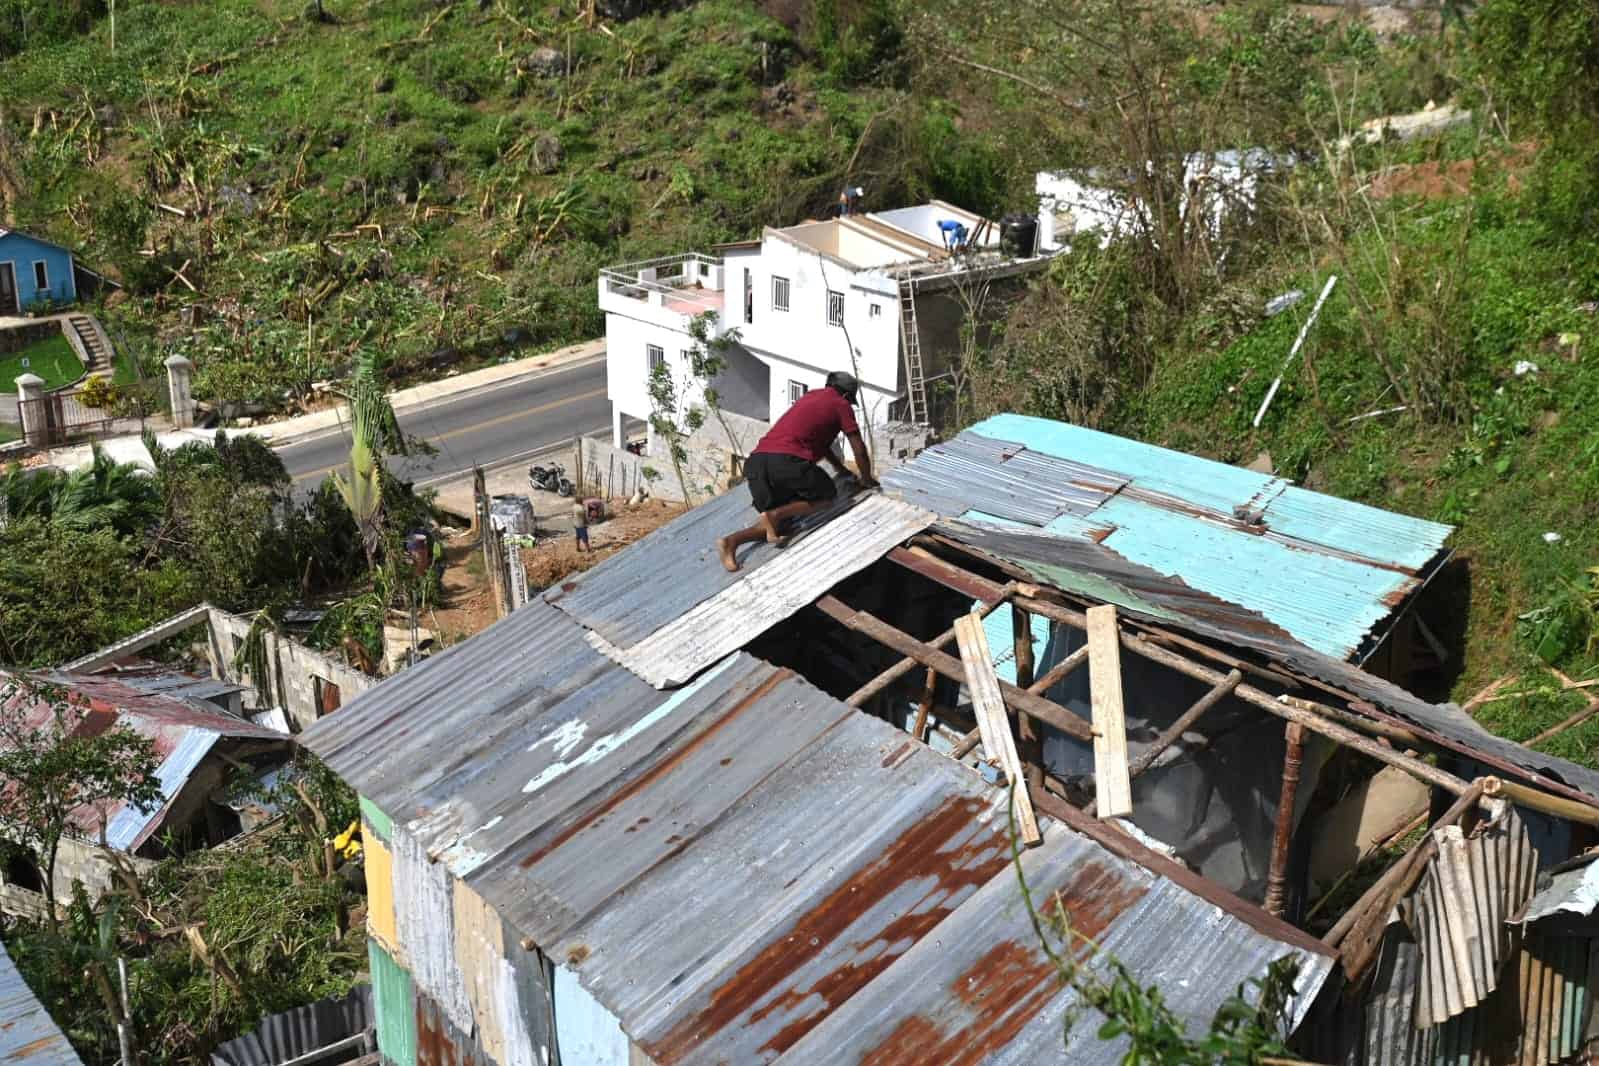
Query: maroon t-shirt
x=809, y=428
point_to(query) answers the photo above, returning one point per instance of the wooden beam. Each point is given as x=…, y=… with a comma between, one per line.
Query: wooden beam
x=1031, y=743
x=1380, y=893
x=1282, y=837
x=1175, y=731
x=1112, y=783
x=926, y=706
x=983, y=684
x=1558, y=806
x=877, y=684
x=1060, y=671
x=1316, y=717
x=907, y=645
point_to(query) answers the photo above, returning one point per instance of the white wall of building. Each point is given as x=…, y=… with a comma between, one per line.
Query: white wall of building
x=803, y=334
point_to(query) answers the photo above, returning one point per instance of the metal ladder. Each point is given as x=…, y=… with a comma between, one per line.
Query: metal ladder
x=911, y=343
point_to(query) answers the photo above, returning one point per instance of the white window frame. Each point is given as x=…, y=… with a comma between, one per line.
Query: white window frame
x=835, y=307
x=40, y=266
x=876, y=310
x=780, y=286
x=793, y=396
x=654, y=356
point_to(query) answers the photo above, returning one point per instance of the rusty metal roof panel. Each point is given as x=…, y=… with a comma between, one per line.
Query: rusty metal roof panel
x=982, y=989
x=814, y=563
x=724, y=865
x=28, y=1035
x=1001, y=478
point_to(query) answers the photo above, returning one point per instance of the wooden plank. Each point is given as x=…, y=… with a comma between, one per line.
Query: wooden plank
x=1018, y=699
x=1112, y=783
x=877, y=684
x=983, y=684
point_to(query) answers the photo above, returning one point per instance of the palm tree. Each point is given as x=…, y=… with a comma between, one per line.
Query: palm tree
x=107, y=493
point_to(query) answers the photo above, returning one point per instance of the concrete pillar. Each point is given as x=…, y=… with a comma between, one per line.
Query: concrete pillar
x=35, y=428
x=180, y=372
x=616, y=427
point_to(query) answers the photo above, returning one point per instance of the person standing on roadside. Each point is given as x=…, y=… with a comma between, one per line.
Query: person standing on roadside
x=580, y=524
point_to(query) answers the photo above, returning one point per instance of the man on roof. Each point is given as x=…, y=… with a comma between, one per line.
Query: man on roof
x=784, y=479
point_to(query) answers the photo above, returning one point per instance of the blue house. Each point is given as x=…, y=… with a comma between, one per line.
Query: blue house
x=33, y=271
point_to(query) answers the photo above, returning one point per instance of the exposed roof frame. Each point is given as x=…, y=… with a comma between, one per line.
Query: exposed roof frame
x=1154, y=643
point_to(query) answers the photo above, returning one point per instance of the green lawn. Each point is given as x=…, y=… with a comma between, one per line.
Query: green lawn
x=9, y=433
x=53, y=359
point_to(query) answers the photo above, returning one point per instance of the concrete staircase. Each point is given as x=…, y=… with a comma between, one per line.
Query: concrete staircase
x=92, y=344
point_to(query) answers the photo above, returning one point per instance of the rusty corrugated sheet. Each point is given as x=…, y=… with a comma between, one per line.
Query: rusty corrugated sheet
x=1460, y=913
x=724, y=866
x=182, y=731
x=743, y=611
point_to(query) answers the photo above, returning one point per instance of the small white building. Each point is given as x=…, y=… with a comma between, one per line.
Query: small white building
x=874, y=294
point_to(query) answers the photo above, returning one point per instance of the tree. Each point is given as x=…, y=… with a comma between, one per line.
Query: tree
x=55, y=771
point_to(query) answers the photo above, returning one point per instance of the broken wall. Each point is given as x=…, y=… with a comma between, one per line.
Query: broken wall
x=303, y=682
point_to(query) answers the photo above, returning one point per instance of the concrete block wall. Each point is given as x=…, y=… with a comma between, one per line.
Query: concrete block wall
x=296, y=669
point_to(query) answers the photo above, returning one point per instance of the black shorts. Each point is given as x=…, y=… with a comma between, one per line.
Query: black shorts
x=778, y=479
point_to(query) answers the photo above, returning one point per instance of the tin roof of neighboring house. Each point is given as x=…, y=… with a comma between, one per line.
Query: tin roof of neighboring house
x=745, y=869
x=184, y=731
x=1209, y=540
x=27, y=1032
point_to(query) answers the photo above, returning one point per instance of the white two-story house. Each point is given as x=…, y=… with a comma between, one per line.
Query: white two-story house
x=875, y=294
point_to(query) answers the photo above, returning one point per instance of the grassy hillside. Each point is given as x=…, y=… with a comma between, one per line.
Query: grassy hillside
x=430, y=181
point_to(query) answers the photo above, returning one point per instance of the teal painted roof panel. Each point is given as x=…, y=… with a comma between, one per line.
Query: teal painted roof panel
x=1327, y=602
x=1370, y=532
x=1205, y=482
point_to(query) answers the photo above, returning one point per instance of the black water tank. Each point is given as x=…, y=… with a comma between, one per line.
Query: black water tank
x=1018, y=234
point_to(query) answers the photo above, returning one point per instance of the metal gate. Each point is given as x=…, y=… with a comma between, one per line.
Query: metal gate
x=58, y=417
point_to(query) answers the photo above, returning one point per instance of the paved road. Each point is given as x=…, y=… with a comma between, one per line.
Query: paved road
x=489, y=427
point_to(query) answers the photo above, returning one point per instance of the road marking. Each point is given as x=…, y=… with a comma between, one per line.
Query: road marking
x=513, y=416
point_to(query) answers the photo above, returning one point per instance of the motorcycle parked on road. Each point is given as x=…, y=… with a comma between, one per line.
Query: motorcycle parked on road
x=550, y=478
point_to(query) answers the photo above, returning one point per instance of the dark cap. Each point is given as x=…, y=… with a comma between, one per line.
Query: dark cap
x=844, y=383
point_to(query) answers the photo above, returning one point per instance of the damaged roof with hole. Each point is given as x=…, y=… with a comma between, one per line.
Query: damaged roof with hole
x=184, y=732
x=736, y=866
x=1208, y=540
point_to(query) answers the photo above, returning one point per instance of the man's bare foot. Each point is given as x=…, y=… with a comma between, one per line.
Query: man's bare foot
x=725, y=550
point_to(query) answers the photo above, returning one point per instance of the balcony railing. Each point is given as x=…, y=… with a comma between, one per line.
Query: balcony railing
x=689, y=282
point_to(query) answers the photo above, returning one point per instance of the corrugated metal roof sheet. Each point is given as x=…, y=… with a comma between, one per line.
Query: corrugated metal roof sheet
x=1189, y=525
x=633, y=593
x=182, y=731
x=1569, y=892
x=846, y=545
x=976, y=473
x=1460, y=913
x=726, y=865
x=281, y=1037
x=28, y=1035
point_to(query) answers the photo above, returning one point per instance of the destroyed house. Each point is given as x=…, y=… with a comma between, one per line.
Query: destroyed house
x=669, y=814
x=199, y=741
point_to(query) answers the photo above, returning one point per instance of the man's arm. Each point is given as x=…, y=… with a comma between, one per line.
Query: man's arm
x=863, y=461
